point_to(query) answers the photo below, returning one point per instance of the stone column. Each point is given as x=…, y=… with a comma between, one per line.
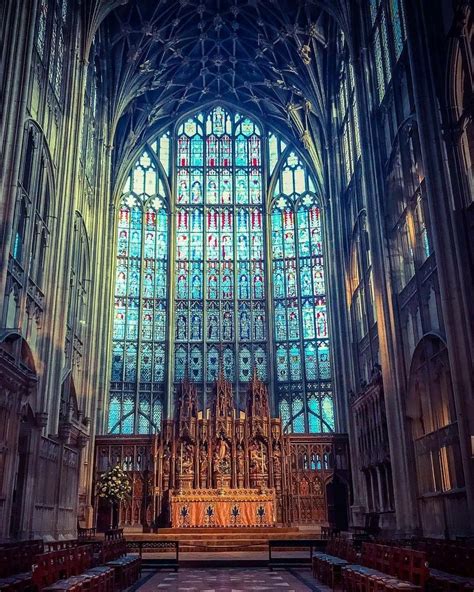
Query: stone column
x=445, y=230
x=391, y=356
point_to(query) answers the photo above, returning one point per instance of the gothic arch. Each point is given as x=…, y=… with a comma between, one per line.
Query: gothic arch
x=35, y=205
x=434, y=435
x=459, y=97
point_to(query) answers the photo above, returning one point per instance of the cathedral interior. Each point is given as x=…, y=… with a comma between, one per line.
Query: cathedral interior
x=237, y=268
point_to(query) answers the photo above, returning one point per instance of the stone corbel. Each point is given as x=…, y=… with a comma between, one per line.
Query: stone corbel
x=65, y=432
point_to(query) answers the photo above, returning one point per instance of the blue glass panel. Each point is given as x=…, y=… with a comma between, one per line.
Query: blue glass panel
x=244, y=323
x=298, y=420
x=282, y=363
x=241, y=151
x=114, y=413
x=195, y=364
x=314, y=419
x=285, y=414
x=128, y=410
x=310, y=361
x=295, y=363
x=280, y=323
x=261, y=363
x=180, y=363
x=245, y=364
x=212, y=364
x=324, y=362
x=308, y=321
x=159, y=363
x=130, y=362
x=228, y=362
x=327, y=413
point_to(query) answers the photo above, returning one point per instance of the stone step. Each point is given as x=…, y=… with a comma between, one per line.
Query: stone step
x=219, y=531
x=234, y=536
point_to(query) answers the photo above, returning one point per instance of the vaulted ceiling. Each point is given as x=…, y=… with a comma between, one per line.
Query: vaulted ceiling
x=167, y=57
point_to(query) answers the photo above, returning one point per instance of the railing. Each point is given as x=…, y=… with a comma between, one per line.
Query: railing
x=310, y=544
x=151, y=546
x=114, y=534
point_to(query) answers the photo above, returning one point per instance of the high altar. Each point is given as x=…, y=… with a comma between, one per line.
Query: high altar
x=225, y=467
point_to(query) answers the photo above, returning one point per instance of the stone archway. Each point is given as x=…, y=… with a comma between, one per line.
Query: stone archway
x=438, y=469
x=18, y=380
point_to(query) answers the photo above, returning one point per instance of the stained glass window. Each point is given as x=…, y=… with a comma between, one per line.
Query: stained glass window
x=219, y=259
x=140, y=311
x=218, y=271
x=300, y=320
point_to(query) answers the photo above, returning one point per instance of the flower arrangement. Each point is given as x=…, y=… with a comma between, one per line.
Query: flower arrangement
x=114, y=485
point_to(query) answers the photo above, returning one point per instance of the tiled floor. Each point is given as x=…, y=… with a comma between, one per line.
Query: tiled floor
x=231, y=580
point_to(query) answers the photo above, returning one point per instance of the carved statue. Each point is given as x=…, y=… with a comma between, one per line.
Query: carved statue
x=185, y=460
x=221, y=458
x=257, y=458
x=166, y=459
x=222, y=449
x=277, y=459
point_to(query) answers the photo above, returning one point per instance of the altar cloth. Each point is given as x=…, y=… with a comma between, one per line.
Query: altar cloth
x=224, y=508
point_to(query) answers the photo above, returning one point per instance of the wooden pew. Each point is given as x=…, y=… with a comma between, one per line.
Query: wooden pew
x=327, y=566
x=16, y=559
x=451, y=564
x=113, y=553
x=383, y=568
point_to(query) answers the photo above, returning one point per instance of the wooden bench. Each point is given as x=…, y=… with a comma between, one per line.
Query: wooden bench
x=327, y=566
x=383, y=568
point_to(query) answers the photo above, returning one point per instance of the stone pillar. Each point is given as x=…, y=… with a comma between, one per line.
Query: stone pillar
x=391, y=356
x=445, y=230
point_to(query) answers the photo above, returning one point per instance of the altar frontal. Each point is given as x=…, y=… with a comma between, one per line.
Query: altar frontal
x=224, y=508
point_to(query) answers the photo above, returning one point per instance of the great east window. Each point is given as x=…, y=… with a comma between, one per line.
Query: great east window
x=220, y=270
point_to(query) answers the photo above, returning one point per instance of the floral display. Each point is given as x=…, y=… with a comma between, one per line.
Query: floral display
x=114, y=485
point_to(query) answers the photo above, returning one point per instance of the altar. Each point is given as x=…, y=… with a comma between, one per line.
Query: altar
x=222, y=508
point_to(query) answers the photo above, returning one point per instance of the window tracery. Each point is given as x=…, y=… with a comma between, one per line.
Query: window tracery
x=31, y=225
x=140, y=311
x=301, y=323
x=220, y=269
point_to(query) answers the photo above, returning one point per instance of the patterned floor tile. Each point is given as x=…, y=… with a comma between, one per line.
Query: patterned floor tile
x=231, y=580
